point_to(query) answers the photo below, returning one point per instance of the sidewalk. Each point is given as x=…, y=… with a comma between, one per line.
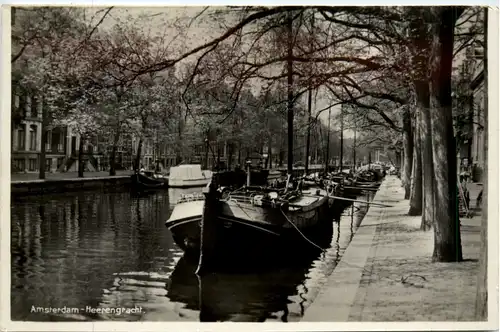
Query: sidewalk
x=386, y=273
x=63, y=176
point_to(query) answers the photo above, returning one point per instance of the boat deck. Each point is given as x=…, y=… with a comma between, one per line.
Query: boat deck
x=187, y=209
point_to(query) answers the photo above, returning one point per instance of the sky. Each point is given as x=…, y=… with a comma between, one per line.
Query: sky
x=161, y=21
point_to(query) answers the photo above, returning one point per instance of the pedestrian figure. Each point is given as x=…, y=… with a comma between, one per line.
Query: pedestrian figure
x=463, y=197
x=463, y=183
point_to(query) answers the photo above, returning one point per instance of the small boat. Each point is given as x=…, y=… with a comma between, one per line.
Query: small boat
x=149, y=180
x=185, y=176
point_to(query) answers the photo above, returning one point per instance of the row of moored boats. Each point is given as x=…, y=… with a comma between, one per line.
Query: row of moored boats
x=244, y=216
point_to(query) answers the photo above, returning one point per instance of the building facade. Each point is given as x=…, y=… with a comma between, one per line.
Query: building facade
x=26, y=137
x=477, y=158
x=470, y=113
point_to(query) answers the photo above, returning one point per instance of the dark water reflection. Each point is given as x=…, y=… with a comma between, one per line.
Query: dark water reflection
x=108, y=250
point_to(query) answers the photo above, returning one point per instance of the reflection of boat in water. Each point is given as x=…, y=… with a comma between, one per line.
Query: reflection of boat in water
x=247, y=297
x=149, y=180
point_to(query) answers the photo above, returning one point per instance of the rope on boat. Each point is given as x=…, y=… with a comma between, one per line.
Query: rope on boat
x=298, y=230
x=236, y=190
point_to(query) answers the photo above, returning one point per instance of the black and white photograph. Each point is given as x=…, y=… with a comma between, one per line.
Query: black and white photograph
x=249, y=163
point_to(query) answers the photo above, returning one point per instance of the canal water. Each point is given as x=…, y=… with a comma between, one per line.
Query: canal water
x=74, y=253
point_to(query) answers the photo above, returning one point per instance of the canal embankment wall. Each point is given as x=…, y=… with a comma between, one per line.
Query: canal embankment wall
x=28, y=184
x=34, y=187
x=386, y=273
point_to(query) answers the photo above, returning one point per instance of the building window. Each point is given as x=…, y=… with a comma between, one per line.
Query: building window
x=32, y=165
x=33, y=132
x=48, y=164
x=60, y=142
x=15, y=97
x=34, y=106
x=18, y=165
x=48, y=143
x=22, y=104
x=21, y=137
x=60, y=161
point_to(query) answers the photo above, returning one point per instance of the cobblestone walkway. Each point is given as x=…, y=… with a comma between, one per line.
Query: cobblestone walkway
x=398, y=281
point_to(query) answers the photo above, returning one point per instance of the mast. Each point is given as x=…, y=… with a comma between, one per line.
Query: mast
x=328, y=140
x=289, y=64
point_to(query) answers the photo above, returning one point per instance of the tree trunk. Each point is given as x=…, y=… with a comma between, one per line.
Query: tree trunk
x=398, y=158
x=402, y=166
x=137, y=162
x=230, y=148
x=214, y=157
x=112, y=157
x=81, y=166
x=239, y=154
x=207, y=147
x=354, y=150
x=290, y=40
x=447, y=239
x=270, y=155
x=408, y=149
x=482, y=284
x=416, y=203
x=428, y=180
x=420, y=39
x=327, y=157
x=341, y=157
x=43, y=151
x=179, y=148
x=218, y=156
x=267, y=161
